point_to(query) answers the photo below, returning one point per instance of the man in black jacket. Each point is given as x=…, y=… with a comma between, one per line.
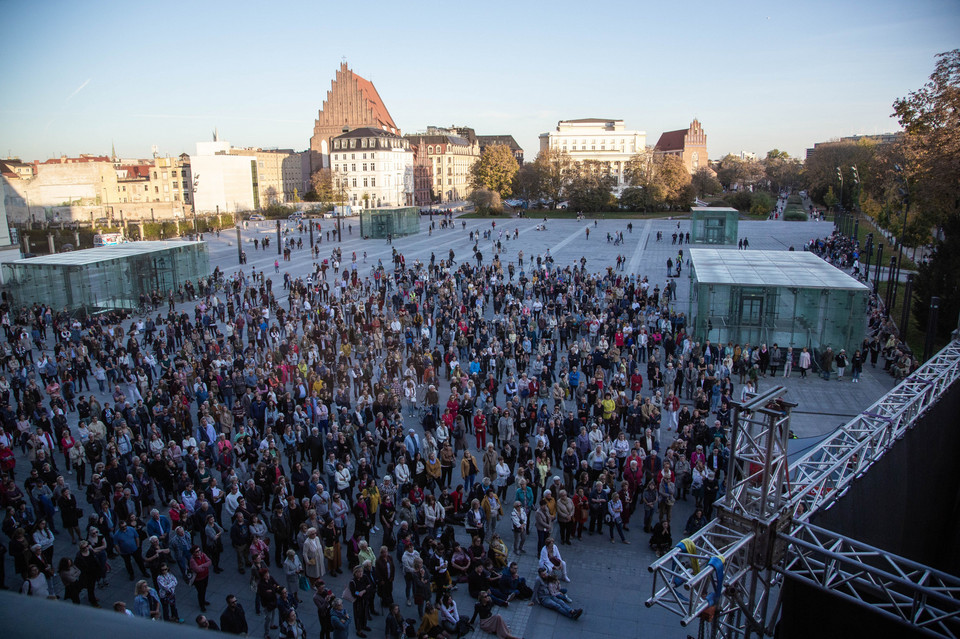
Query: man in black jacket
x=233, y=619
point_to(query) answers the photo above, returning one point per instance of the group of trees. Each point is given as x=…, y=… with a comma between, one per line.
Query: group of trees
x=910, y=185
x=923, y=170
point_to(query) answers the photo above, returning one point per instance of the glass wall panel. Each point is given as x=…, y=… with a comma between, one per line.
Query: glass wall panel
x=379, y=223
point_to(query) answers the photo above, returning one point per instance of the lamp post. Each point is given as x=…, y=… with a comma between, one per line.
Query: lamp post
x=888, y=301
x=931, y=327
x=279, y=243
x=856, y=211
x=905, y=312
x=905, y=194
x=876, y=270
x=196, y=185
x=840, y=203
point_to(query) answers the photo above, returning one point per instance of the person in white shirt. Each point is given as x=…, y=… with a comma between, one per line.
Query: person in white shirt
x=551, y=561
x=518, y=522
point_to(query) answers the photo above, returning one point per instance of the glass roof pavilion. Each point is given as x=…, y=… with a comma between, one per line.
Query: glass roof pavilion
x=109, y=277
x=788, y=298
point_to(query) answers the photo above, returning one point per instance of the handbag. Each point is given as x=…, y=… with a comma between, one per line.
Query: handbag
x=191, y=577
x=304, y=583
x=328, y=552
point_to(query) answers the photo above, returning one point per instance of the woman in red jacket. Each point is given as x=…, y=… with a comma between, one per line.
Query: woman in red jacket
x=200, y=566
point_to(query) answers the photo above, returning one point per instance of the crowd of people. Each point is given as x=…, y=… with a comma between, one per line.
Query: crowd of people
x=405, y=428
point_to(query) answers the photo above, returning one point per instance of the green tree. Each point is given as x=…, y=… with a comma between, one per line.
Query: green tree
x=829, y=198
x=589, y=189
x=495, y=170
x=486, y=201
x=738, y=173
x=526, y=183
x=705, y=182
x=761, y=203
x=821, y=167
x=554, y=170
x=323, y=187
x=930, y=153
x=673, y=176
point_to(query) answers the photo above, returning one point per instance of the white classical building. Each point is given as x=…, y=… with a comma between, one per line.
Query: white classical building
x=604, y=140
x=374, y=167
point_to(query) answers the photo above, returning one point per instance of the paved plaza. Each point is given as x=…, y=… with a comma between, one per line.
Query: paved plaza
x=610, y=581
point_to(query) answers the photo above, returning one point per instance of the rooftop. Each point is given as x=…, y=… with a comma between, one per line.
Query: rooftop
x=103, y=254
x=798, y=269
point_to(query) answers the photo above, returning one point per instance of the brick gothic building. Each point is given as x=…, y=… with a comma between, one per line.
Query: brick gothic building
x=352, y=102
x=690, y=145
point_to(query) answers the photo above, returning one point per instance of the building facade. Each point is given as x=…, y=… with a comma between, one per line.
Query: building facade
x=606, y=141
x=89, y=187
x=352, y=102
x=690, y=145
x=373, y=168
x=279, y=174
x=451, y=153
x=222, y=182
x=506, y=140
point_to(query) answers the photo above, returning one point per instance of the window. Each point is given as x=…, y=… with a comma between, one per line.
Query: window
x=353, y=167
x=430, y=149
x=156, y=189
x=363, y=143
x=373, y=181
x=372, y=167
x=353, y=143
x=154, y=175
x=176, y=185
x=364, y=181
x=354, y=182
x=364, y=166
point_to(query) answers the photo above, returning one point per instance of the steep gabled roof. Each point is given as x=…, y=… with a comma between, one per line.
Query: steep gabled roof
x=671, y=140
x=374, y=102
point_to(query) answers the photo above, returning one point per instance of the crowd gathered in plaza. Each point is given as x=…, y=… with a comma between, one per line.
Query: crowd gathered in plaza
x=414, y=428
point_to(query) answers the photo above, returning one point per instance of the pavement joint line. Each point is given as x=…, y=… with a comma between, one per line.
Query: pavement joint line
x=641, y=243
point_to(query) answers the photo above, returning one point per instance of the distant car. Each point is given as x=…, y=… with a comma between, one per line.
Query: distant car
x=66, y=248
x=562, y=205
x=102, y=221
x=296, y=216
x=256, y=217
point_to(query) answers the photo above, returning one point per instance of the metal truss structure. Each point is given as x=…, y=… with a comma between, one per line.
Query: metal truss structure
x=900, y=589
x=728, y=574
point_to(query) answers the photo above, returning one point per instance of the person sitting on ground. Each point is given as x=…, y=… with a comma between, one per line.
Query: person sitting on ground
x=548, y=593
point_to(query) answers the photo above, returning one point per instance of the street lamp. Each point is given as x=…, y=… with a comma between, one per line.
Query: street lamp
x=904, y=192
x=856, y=211
x=196, y=185
x=840, y=203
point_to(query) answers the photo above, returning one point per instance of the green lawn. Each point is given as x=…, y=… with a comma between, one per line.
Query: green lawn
x=866, y=227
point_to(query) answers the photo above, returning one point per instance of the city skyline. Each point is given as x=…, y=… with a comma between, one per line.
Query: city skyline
x=81, y=78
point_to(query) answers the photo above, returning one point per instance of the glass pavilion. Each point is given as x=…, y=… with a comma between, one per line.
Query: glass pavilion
x=109, y=277
x=714, y=225
x=398, y=222
x=789, y=298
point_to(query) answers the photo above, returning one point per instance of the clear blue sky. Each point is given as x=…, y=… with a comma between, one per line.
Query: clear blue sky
x=758, y=75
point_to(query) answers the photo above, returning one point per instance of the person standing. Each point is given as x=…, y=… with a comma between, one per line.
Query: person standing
x=200, y=564
x=518, y=521
x=167, y=586
x=233, y=619
x=543, y=524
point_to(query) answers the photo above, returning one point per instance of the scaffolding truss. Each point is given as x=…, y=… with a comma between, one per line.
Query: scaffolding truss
x=898, y=588
x=728, y=574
